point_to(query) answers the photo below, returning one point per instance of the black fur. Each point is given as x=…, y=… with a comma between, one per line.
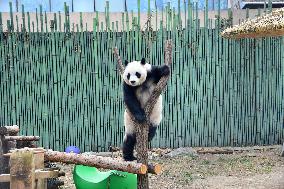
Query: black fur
x=132, y=103
x=152, y=132
x=130, y=141
x=125, y=62
x=143, y=61
x=128, y=147
x=157, y=72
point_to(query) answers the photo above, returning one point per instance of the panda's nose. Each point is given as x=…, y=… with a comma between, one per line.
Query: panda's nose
x=132, y=82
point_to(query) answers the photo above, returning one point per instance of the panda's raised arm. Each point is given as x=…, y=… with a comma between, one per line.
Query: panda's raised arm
x=159, y=71
x=133, y=104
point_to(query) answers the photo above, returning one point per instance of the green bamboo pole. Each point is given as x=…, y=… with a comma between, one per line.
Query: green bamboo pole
x=41, y=18
x=11, y=17
x=1, y=27
x=224, y=92
x=23, y=18
x=138, y=7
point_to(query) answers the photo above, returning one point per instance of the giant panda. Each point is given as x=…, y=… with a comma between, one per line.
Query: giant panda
x=139, y=81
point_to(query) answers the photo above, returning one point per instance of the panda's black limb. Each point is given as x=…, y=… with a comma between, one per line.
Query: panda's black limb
x=157, y=72
x=132, y=103
x=130, y=141
x=152, y=132
x=128, y=147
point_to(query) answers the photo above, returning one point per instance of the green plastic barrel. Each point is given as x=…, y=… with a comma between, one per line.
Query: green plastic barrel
x=91, y=178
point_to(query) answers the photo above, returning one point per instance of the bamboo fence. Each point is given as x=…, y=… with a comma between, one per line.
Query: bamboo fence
x=63, y=86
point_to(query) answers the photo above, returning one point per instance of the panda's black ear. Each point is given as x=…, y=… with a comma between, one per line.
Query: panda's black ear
x=125, y=62
x=143, y=61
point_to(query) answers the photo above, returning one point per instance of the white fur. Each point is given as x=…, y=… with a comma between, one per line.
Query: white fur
x=141, y=94
x=148, y=67
x=131, y=69
x=155, y=117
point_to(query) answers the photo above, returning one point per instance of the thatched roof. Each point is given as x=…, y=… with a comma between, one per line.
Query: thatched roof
x=268, y=25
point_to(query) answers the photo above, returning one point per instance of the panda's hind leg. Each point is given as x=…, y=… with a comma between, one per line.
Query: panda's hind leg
x=128, y=147
x=152, y=132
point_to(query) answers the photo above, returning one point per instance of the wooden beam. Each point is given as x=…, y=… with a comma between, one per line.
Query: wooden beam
x=39, y=174
x=4, y=130
x=35, y=151
x=215, y=151
x=21, y=138
x=154, y=168
x=4, y=161
x=119, y=61
x=96, y=161
x=41, y=183
x=4, y=178
x=22, y=169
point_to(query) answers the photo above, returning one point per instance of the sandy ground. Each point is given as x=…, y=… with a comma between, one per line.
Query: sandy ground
x=250, y=168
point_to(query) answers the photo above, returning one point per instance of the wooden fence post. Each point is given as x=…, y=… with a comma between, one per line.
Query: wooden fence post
x=4, y=162
x=22, y=169
x=5, y=146
x=41, y=183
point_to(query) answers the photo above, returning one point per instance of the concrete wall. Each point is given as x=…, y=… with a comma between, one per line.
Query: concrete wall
x=238, y=15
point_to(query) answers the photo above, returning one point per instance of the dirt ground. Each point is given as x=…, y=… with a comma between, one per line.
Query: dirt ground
x=202, y=168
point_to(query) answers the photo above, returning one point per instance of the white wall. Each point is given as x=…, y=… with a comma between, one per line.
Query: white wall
x=88, y=18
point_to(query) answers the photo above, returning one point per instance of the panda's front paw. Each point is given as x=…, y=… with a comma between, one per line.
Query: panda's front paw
x=165, y=70
x=140, y=117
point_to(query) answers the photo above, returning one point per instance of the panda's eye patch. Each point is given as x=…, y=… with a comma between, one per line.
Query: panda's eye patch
x=128, y=76
x=138, y=74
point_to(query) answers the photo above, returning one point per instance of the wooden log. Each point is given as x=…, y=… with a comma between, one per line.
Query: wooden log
x=39, y=174
x=154, y=168
x=96, y=161
x=8, y=131
x=21, y=138
x=282, y=151
x=4, y=161
x=5, y=146
x=41, y=182
x=22, y=169
x=4, y=178
x=11, y=130
x=119, y=61
x=143, y=129
x=35, y=151
x=29, y=144
x=215, y=151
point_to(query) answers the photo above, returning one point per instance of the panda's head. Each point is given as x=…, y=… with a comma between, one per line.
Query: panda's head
x=135, y=72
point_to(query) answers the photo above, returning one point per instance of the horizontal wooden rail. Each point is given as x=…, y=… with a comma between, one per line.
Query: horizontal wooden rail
x=21, y=138
x=96, y=161
x=4, y=178
x=39, y=174
x=4, y=130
